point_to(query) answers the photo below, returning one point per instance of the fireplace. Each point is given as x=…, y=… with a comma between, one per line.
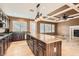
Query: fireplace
x=76, y=33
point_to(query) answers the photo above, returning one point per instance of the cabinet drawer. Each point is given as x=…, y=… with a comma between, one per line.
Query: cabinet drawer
x=41, y=44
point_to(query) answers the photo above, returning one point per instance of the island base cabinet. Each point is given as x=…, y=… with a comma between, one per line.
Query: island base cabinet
x=40, y=48
x=41, y=51
x=53, y=49
x=35, y=47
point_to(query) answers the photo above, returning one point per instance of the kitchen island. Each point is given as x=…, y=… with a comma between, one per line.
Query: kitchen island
x=45, y=45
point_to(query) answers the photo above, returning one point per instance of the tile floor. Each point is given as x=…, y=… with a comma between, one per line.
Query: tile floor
x=20, y=48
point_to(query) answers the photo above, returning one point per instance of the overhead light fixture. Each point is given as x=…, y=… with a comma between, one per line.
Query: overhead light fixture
x=65, y=16
x=38, y=5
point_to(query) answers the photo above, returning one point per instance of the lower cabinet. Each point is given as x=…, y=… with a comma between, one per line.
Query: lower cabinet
x=40, y=51
x=35, y=51
x=1, y=48
x=40, y=48
x=4, y=44
x=35, y=46
x=18, y=36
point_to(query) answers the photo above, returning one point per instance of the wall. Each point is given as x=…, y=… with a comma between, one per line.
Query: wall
x=19, y=20
x=63, y=27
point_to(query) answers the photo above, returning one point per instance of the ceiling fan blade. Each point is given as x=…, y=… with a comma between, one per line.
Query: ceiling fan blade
x=75, y=16
x=56, y=16
x=37, y=5
x=40, y=14
x=70, y=17
x=37, y=16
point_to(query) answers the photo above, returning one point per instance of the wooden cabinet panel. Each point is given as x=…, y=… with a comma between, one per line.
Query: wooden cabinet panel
x=39, y=48
x=17, y=36
x=41, y=51
x=0, y=51
x=35, y=47
x=1, y=48
x=4, y=44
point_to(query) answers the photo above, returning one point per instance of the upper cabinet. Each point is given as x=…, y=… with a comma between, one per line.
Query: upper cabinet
x=3, y=19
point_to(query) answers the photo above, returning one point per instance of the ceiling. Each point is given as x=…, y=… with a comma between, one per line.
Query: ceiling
x=23, y=9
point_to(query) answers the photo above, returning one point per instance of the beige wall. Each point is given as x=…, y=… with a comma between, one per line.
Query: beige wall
x=19, y=20
x=63, y=27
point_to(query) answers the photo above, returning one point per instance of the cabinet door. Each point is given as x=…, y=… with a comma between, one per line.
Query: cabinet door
x=8, y=41
x=41, y=48
x=5, y=42
x=35, y=47
x=18, y=36
x=10, y=38
x=31, y=44
x=40, y=51
x=1, y=48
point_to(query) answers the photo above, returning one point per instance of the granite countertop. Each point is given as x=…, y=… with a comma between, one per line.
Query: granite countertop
x=47, y=38
x=4, y=35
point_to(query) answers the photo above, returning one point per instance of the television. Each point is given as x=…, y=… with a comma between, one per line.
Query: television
x=76, y=33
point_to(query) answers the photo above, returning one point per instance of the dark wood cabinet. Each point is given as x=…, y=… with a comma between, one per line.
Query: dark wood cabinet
x=36, y=46
x=40, y=48
x=17, y=36
x=35, y=51
x=40, y=51
x=30, y=43
x=1, y=48
x=4, y=44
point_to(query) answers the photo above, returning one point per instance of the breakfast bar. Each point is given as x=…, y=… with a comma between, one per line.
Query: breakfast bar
x=45, y=45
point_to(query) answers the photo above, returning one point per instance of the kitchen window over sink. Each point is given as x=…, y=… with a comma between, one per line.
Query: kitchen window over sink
x=19, y=26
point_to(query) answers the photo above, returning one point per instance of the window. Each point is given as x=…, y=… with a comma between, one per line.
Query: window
x=32, y=27
x=53, y=28
x=47, y=28
x=19, y=26
x=42, y=28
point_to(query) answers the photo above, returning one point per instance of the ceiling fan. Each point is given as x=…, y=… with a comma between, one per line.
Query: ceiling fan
x=39, y=13
x=65, y=17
